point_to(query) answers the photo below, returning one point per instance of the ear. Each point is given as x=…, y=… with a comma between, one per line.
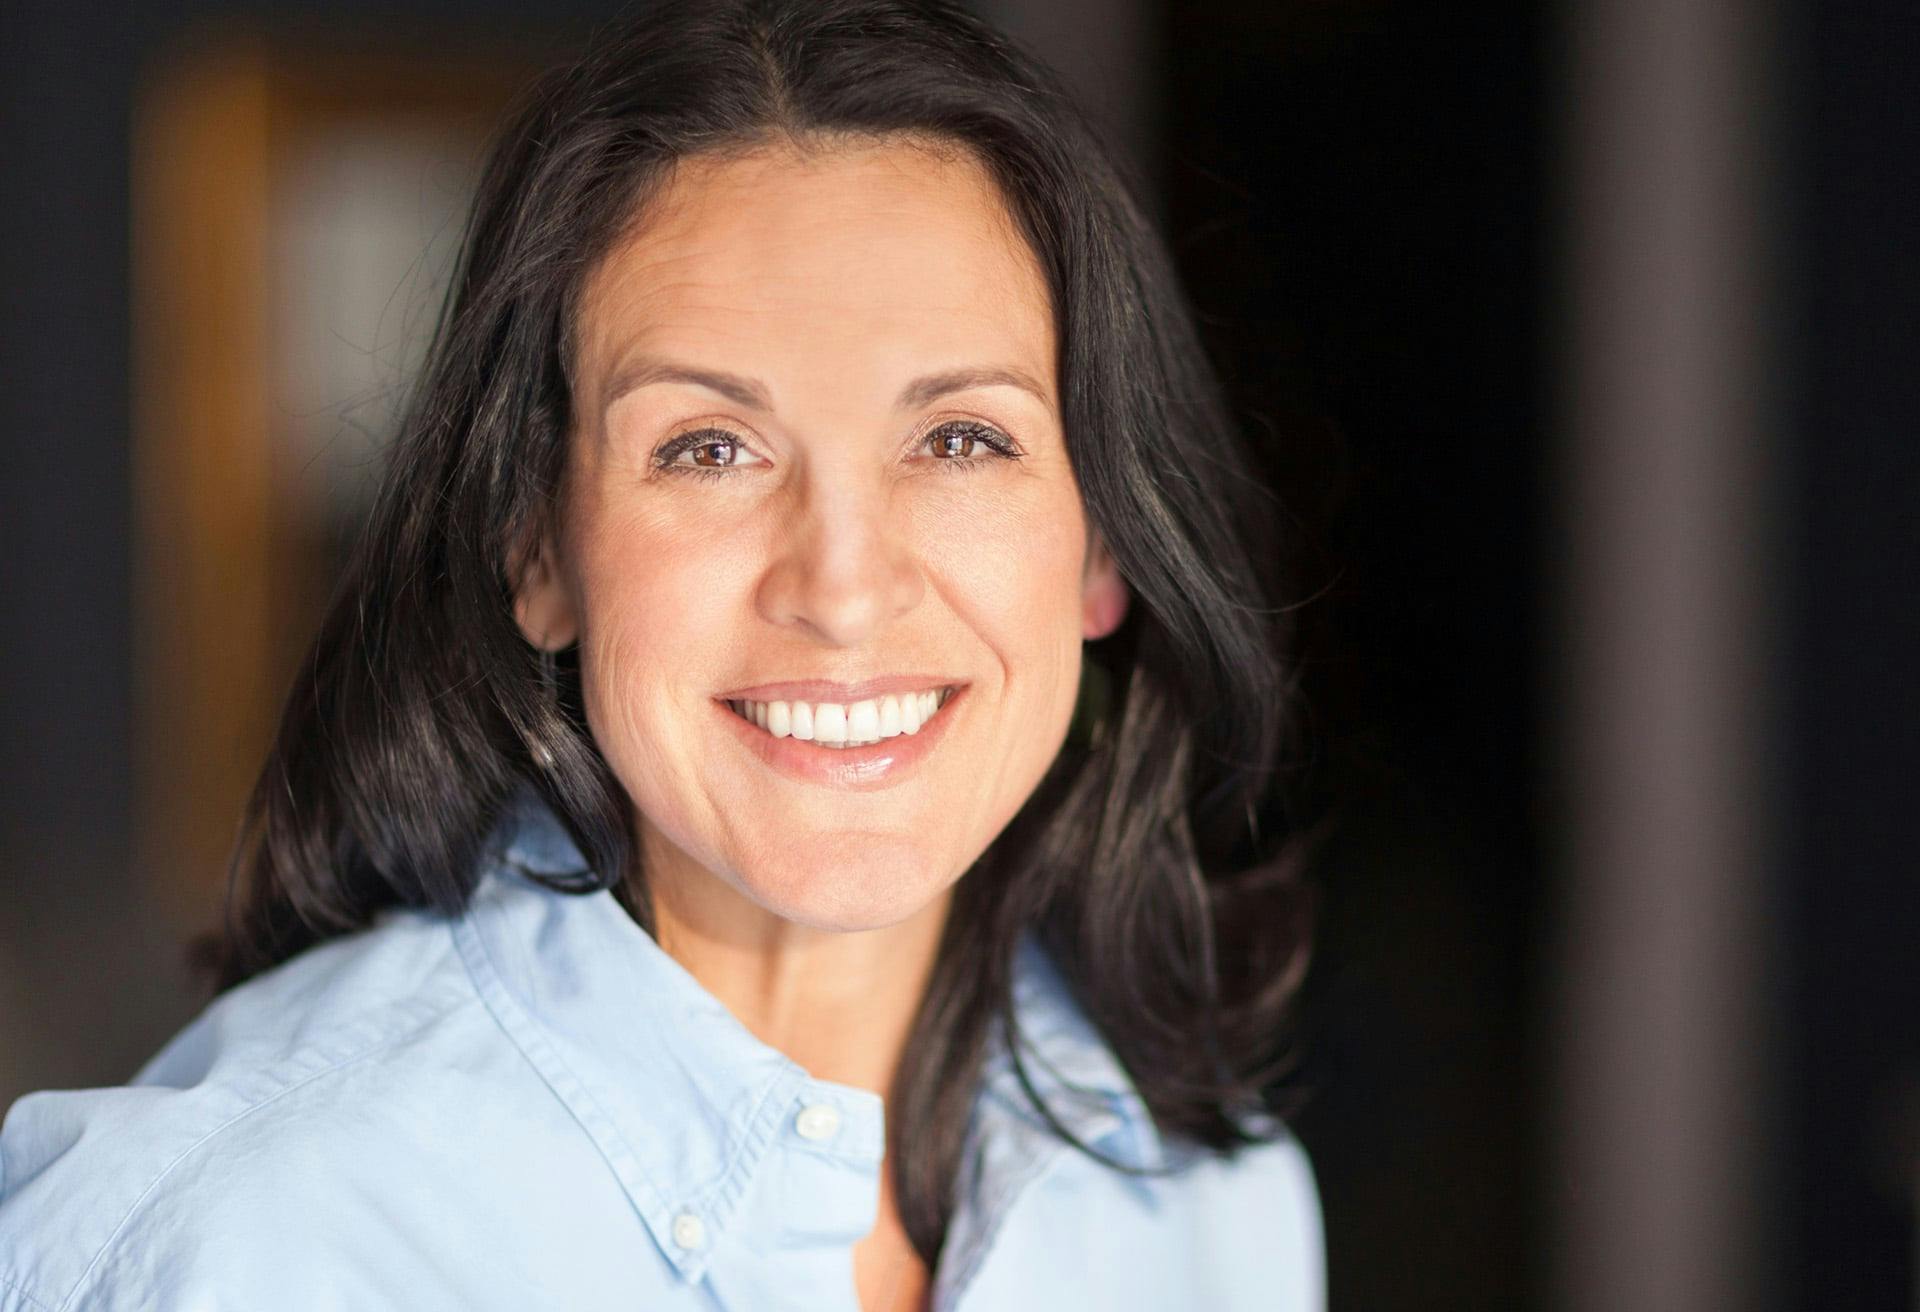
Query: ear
x=542, y=606
x=1103, y=593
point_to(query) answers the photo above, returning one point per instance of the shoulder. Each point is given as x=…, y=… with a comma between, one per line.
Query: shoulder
x=1215, y=1230
x=1231, y=1233
x=356, y=988
x=1262, y=1199
x=225, y=1123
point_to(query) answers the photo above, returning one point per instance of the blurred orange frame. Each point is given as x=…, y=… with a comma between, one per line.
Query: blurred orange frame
x=228, y=585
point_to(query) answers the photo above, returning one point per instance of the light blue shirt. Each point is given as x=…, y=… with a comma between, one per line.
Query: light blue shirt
x=534, y=1106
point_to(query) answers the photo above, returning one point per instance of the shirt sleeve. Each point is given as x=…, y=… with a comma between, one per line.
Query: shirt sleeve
x=1292, y=1197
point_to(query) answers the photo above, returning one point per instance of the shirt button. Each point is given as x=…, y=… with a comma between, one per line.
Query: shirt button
x=689, y=1231
x=819, y=1121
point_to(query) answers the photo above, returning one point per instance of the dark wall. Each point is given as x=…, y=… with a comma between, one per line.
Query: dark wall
x=1357, y=197
x=65, y=668
x=1852, y=900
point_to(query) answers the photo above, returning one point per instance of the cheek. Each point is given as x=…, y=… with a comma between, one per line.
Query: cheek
x=659, y=572
x=1015, y=542
x=1010, y=566
x=659, y=604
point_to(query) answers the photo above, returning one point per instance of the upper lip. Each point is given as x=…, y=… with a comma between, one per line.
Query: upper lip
x=828, y=690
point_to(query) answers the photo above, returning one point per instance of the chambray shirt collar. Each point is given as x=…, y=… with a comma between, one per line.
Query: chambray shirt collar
x=1070, y=1065
x=682, y=1099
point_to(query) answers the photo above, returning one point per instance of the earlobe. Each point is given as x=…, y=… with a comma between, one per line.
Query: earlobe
x=541, y=606
x=1103, y=595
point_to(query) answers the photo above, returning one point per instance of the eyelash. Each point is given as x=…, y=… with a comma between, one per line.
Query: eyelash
x=993, y=439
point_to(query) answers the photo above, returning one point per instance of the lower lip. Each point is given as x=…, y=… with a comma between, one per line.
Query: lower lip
x=876, y=765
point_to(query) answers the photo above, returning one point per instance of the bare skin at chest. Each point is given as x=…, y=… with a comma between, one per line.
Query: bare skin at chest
x=888, y=1274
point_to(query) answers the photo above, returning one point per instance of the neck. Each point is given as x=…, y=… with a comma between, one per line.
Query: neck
x=840, y=1003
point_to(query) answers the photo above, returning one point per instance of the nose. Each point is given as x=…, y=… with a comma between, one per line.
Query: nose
x=845, y=567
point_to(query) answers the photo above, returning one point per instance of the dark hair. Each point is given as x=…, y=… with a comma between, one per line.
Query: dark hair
x=1153, y=860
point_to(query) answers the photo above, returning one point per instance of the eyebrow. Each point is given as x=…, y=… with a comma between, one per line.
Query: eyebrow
x=925, y=391
x=645, y=372
x=753, y=394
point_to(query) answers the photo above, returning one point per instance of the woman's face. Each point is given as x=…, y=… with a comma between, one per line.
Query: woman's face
x=819, y=542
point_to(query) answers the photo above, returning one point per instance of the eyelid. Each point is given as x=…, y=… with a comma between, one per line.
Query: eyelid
x=704, y=432
x=933, y=427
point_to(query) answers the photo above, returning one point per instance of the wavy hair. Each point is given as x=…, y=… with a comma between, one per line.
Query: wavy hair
x=1153, y=860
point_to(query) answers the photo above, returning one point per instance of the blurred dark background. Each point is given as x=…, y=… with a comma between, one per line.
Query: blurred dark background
x=1580, y=342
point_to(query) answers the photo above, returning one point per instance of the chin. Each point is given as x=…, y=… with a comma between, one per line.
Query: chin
x=857, y=883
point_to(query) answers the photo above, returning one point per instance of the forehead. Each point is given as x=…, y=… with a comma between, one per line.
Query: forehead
x=868, y=256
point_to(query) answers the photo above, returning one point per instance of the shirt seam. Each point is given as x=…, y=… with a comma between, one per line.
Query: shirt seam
x=721, y=1199
x=23, y=1291
x=718, y=1198
x=546, y=1062
x=417, y=1011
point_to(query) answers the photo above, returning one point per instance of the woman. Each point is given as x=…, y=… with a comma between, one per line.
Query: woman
x=698, y=866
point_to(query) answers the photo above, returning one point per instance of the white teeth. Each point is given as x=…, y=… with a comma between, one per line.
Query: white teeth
x=856, y=724
x=830, y=724
x=863, y=722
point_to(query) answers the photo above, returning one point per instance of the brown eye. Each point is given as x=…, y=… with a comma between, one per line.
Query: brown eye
x=967, y=445
x=953, y=444
x=707, y=453
x=716, y=455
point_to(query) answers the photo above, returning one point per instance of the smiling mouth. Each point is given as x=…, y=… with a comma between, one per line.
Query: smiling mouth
x=846, y=724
